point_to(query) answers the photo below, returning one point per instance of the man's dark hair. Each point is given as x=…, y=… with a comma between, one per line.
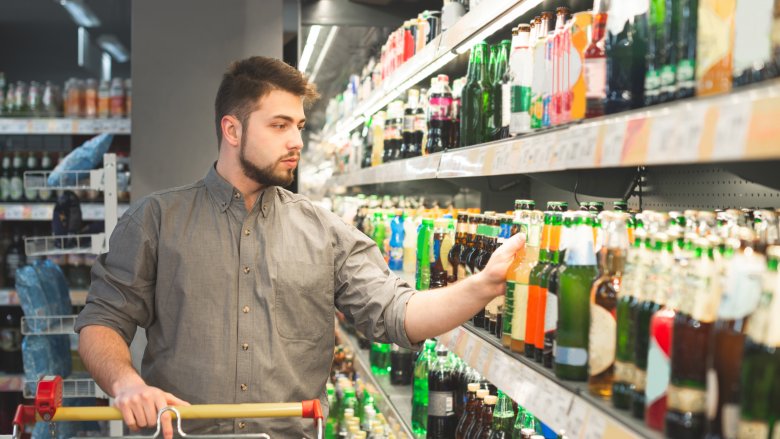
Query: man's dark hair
x=248, y=80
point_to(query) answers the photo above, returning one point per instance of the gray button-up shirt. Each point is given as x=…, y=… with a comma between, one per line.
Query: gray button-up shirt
x=239, y=306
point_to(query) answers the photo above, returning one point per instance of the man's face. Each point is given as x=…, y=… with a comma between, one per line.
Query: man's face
x=271, y=147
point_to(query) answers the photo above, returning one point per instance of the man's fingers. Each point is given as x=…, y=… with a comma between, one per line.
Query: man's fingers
x=167, y=427
x=128, y=416
x=173, y=400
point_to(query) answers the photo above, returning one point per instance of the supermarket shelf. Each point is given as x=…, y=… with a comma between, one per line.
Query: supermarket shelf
x=739, y=126
x=394, y=401
x=73, y=180
x=71, y=388
x=48, y=325
x=65, y=244
x=418, y=168
x=14, y=125
x=563, y=405
x=11, y=383
x=11, y=297
x=481, y=22
x=44, y=211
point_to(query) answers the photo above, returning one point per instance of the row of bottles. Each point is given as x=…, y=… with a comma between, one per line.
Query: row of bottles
x=88, y=98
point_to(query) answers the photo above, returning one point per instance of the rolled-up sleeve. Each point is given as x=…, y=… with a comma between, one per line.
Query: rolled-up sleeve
x=121, y=295
x=367, y=292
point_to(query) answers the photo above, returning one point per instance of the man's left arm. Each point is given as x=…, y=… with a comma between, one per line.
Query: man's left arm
x=432, y=313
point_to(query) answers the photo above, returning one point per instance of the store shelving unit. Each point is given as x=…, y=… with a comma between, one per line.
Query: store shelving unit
x=55, y=125
x=394, y=401
x=740, y=126
x=44, y=211
x=10, y=297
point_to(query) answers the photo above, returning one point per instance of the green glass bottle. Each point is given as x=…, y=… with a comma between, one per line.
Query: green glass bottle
x=626, y=48
x=472, y=98
x=420, y=387
x=499, y=57
x=503, y=418
x=525, y=424
x=576, y=279
x=684, y=22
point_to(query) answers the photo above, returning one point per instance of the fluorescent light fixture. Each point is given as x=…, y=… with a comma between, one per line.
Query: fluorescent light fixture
x=80, y=13
x=323, y=52
x=499, y=24
x=105, y=66
x=311, y=40
x=116, y=49
x=83, y=46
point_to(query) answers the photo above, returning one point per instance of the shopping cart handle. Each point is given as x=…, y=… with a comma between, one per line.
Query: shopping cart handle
x=312, y=409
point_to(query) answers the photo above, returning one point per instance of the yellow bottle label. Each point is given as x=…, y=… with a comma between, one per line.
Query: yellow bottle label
x=602, y=340
x=520, y=311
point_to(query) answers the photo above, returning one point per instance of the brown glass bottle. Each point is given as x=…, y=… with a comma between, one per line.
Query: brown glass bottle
x=473, y=258
x=461, y=240
x=485, y=419
x=470, y=247
x=472, y=404
x=439, y=274
x=472, y=421
x=490, y=245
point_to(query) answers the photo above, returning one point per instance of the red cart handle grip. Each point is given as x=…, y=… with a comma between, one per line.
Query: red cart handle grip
x=312, y=409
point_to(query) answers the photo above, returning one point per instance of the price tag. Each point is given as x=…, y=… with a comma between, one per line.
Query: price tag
x=577, y=418
x=42, y=212
x=478, y=163
x=501, y=162
x=612, y=148
x=93, y=211
x=596, y=425
x=484, y=359
x=561, y=404
x=39, y=126
x=5, y=297
x=691, y=131
x=467, y=351
x=14, y=212
x=14, y=126
x=664, y=140
x=62, y=126
x=731, y=130
x=526, y=391
x=499, y=372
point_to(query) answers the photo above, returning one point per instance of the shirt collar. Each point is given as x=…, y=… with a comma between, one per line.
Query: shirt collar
x=224, y=193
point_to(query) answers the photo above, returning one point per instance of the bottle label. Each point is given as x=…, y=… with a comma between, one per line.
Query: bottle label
x=506, y=104
x=492, y=307
x=551, y=313
x=396, y=257
x=596, y=78
x=750, y=429
x=409, y=123
x=603, y=328
x=659, y=369
x=667, y=79
x=711, y=395
x=624, y=372
x=742, y=290
x=420, y=124
x=5, y=189
x=640, y=379
x=714, y=38
x=440, y=403
x=570, y=356
x=439, y=107
x=730, y=420
x=520, y=311
x=509, y=308
x=392, y=132
x=17, y=188
x=652, y=82
x=686, y=73
x=684, y=399
x=751, y=47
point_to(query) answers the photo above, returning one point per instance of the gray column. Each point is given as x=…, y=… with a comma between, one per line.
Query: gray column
x=179, y=50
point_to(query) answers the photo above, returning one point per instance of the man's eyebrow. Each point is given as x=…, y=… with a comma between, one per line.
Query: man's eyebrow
x=288, y=118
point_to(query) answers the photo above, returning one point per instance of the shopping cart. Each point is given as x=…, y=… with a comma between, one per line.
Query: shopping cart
x=48, y=408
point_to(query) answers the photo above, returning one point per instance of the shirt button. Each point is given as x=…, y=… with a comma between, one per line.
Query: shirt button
x=246, y=270
x=242, y=425
x=247, y=232
x=244, y=387
x=245, y=346
x=236, y=195
x=245, y=309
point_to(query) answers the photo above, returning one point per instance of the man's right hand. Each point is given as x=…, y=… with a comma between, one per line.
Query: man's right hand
x=140, y=403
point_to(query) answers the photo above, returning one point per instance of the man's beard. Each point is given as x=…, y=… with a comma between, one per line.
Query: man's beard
x=265, y=176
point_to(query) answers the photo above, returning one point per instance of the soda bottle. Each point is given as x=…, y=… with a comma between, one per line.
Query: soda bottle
x=460, y=242
x=438, y=269
x=401, y=366
x=378, y=147
x=420, y=387
x=503, y=418
x=576, y=279
x=424, y=250
x=596, y=63
x=482, y=431
x=439, y=116
x=393, y=131
x=380, y=358
x=396, y=259
x=441, y=398
x=379, y=231
x=409, y=148
x=472, y=127
x=470, y=409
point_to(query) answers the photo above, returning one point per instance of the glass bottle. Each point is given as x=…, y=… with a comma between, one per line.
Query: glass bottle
x=472, y=404
x=625, y=47
x=685, y=18
x=461, y=229
x=472, y=100
x=576, y=279
x=715, y=47
x=533, y=220
x=500, y=93
x=553, y=287
x=547, y=312
x=596, y=63
x=438, y=269
x=441, y=398
x=534, y=284
x=521, y=74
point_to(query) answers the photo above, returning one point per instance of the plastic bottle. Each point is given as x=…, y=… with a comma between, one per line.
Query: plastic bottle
x=410, y=241
x=424, y=250
x=420, y=388
x=396, y=259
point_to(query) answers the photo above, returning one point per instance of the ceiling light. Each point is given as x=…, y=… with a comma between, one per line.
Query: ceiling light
x=323, y=52
x=311, y=41
x=116, y=49
x=80, y=13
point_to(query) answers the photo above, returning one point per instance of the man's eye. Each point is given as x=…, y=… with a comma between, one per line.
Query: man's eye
x=301, y=128
x=279, y=126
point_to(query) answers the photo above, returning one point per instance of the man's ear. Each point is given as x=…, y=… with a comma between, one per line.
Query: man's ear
x=231, y=130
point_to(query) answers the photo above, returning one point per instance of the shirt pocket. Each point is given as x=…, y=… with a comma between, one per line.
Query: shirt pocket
x=304, y=300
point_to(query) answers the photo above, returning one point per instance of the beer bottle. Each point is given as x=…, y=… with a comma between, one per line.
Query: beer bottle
x=5, y=179
x=438, y=269
x=542, y=25
x=684, y=22
x=533, y=220
x=603, y=306
x=576, y=279
x=715, y=40
x=409, y=146
x=752, y=48
x=553, y=287
x=424, y=242
x=759, y=378
x=471, y=423
x=490, y=245
x=441, y=398
x=482, y=232
x=461, y=237
x=534, y=284
x=626, y=47
x=31, y=195
x=46, y=165
x=489, y=103
x=472, y=99
x=521, y=71
x=741, y=296
x=472, y=404
x=501, y=93
x=466, y=250
x=401, y=365
x=511, y=279
x=545, y=321
x=596, y=63
x=420, y=387
x=17, y=179
x=503, y=418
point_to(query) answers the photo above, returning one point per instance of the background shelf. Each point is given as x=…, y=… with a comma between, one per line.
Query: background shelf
x=14, y=125
x=11, y=297
x=44, y=211
x=65, y=244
